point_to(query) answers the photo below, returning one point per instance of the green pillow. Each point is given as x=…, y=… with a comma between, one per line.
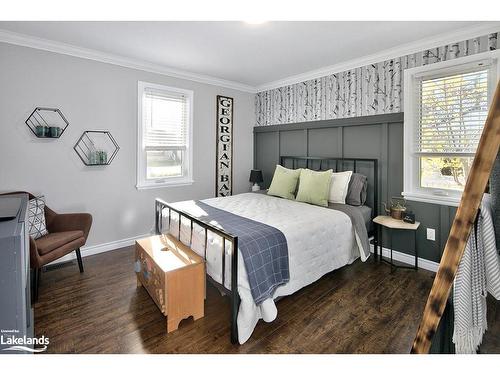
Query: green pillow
x=314, y=187
x=284, y=182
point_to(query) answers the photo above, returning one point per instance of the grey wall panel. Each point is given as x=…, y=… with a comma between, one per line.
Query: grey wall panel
x=447, y=216
x=293, y=143
x=366, y=141
x=325, y=142
x=379, y=137
x=363, y=141
x=267, y=154
x=395, y=161
x=429, y=216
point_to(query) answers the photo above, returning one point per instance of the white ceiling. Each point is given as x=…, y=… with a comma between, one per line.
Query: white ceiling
x=251, y=54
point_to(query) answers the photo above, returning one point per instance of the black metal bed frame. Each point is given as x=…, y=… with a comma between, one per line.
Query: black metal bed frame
x=160, y=205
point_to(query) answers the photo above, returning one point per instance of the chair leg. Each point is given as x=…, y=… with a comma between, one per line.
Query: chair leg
x=79, y=258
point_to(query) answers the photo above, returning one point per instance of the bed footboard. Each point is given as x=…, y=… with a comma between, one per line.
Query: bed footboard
x=160, y=206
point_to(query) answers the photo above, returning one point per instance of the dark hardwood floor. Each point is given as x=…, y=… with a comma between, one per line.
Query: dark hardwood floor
x=361, y=308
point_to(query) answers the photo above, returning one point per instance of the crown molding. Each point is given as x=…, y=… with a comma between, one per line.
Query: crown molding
x=398, y=51
x=90, y=54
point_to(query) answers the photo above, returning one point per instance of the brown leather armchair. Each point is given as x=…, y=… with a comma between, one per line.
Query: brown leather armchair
x=67, y=233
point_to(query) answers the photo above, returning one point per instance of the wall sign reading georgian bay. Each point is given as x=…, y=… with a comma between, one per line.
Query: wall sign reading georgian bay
x=224, y=162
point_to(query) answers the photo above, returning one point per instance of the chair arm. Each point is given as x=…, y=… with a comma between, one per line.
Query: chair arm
x=66, y=222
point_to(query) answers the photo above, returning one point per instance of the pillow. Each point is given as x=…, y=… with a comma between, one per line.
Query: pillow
x=36, y=218
x=314, y=187
x=284, y=182
x=339, y=186
x=356, y=192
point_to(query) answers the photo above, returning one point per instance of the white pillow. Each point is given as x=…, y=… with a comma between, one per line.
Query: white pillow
x=339, y=187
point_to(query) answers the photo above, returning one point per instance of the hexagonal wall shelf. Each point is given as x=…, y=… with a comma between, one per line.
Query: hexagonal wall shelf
x=47, y=122
x=96, y=147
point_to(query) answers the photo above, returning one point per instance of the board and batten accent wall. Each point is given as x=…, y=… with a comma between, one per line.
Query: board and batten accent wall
x=368, y=90
x=377, y=136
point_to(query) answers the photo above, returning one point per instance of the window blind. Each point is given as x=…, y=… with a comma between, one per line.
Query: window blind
x=451, y=112
x=165, y=120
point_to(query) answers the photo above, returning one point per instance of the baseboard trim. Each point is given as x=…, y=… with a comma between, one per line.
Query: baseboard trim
x=101, y=248
x=425, y=264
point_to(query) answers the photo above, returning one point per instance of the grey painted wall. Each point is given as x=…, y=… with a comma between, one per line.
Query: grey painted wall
x=96, y=95
x=378, y=136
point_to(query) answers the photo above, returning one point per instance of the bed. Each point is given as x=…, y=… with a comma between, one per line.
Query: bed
x=319, y=239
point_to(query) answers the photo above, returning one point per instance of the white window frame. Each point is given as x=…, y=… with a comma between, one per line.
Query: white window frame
x=411, y=175
x=142, y=181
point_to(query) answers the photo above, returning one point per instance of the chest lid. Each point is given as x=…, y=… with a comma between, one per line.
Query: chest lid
x=168, y=253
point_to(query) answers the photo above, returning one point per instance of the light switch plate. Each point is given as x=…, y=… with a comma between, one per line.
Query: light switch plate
x=431, y=234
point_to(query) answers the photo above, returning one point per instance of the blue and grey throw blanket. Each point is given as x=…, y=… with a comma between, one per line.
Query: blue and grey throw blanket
x=263, y=247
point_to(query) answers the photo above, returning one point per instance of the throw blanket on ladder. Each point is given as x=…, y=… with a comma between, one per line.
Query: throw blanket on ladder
x=478, y=274
x=263, y=247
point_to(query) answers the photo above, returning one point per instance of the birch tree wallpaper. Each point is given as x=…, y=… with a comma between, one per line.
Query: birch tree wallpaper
x=368, y=90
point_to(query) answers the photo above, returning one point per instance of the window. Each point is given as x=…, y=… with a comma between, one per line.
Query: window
x=446, y=105
x=164, y=136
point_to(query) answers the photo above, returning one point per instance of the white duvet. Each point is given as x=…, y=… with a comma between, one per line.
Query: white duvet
x=319, y=241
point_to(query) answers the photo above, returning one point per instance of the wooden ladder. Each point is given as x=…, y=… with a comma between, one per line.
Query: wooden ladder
x=464, y=220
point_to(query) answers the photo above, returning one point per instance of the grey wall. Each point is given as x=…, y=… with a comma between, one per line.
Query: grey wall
x=96, y=95
x=378, y=136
